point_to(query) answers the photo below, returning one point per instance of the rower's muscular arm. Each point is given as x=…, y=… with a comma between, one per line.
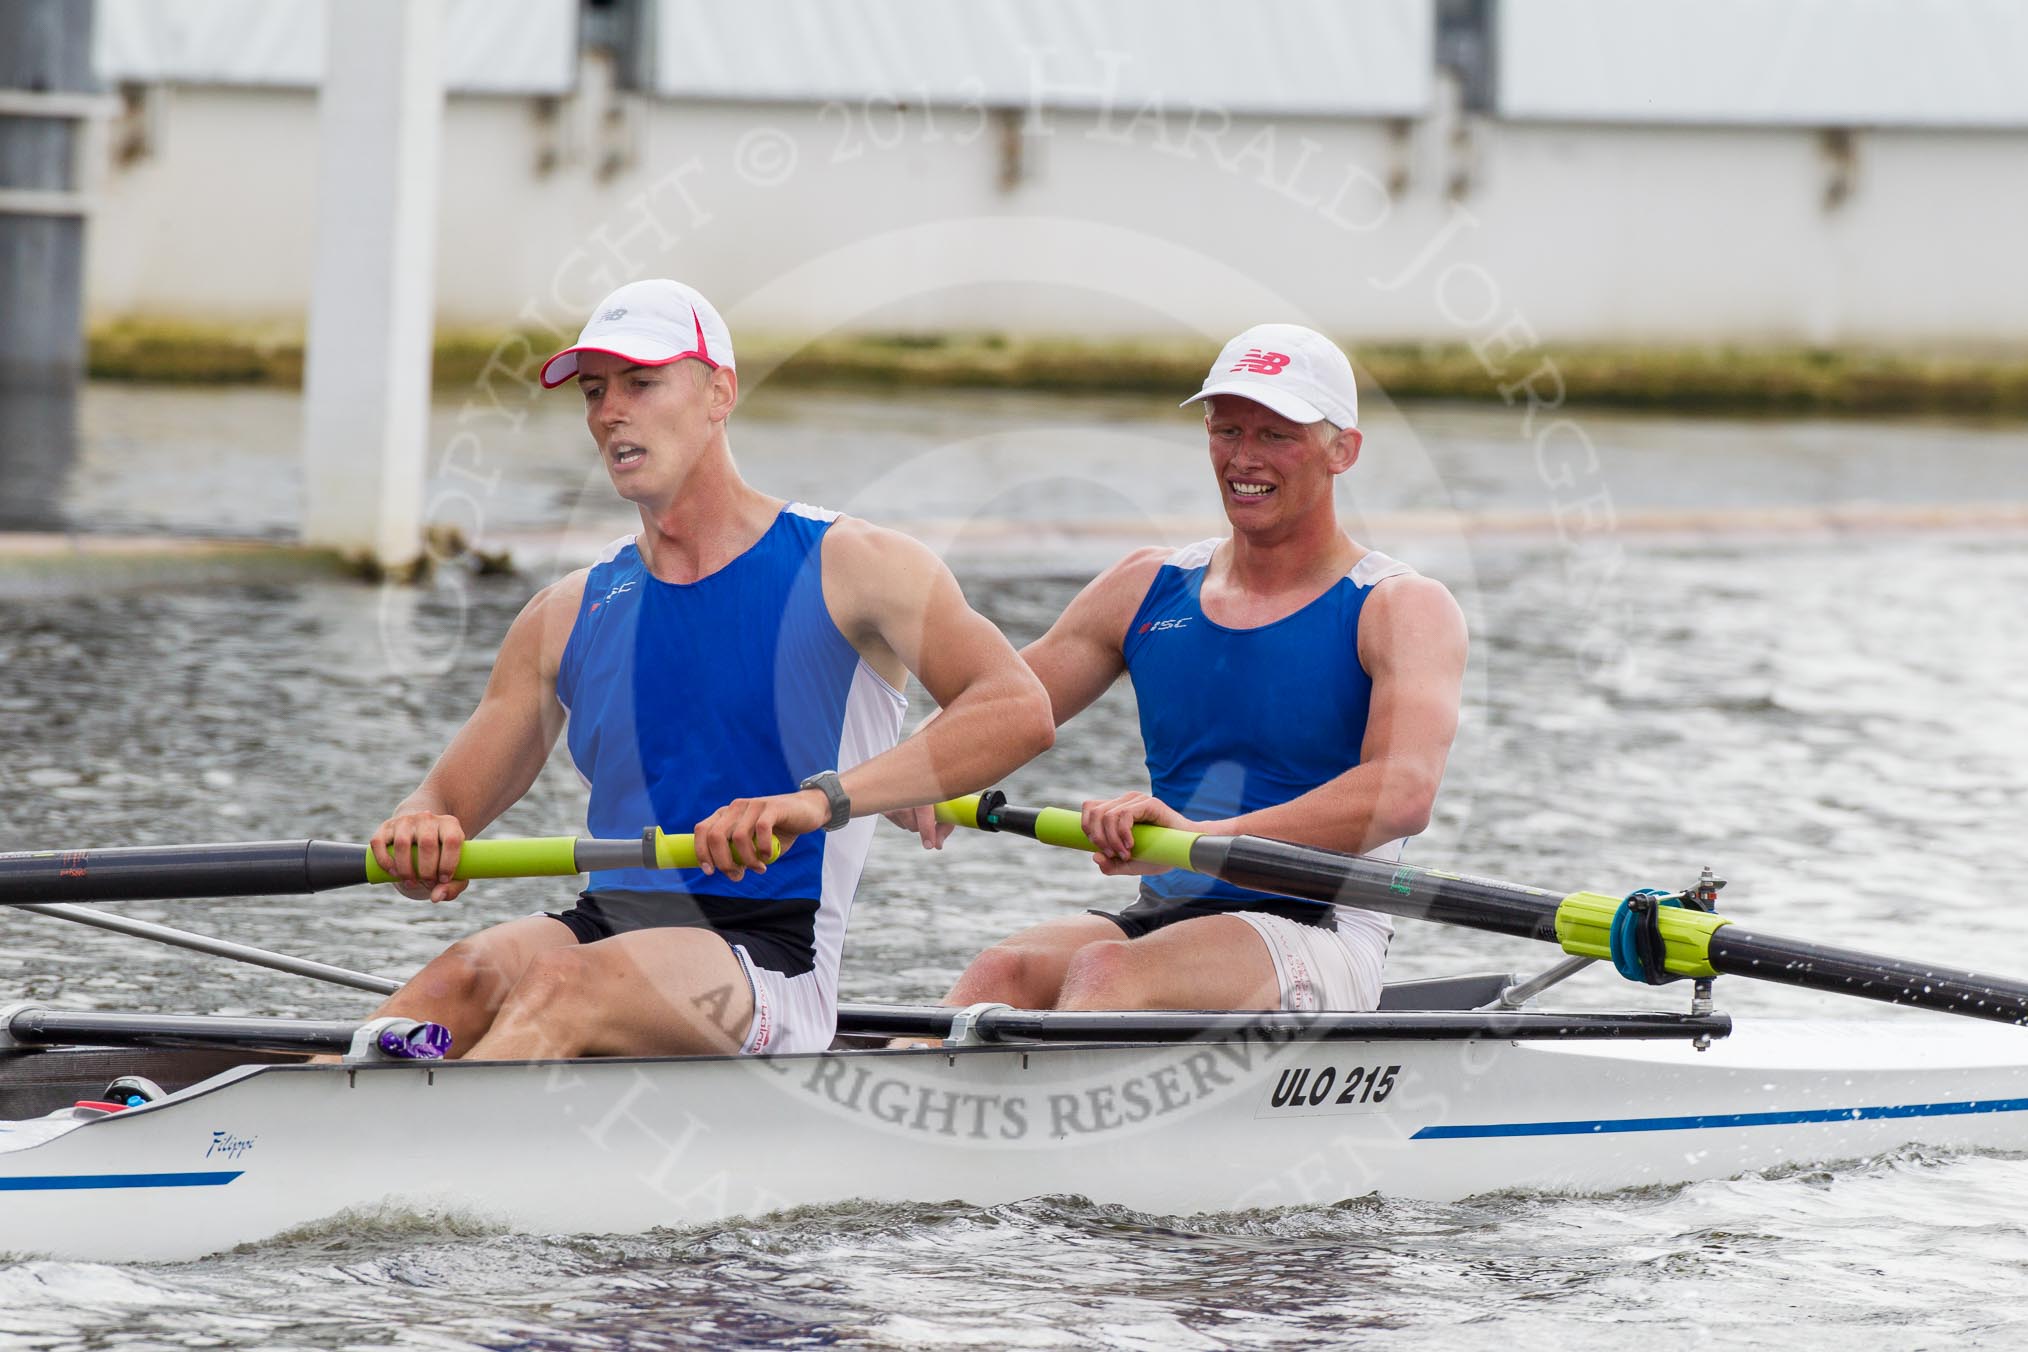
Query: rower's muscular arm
x=1081, y=655
x=1077, y=660
x=1412, y=643
x=900, y=606
x=495, y=756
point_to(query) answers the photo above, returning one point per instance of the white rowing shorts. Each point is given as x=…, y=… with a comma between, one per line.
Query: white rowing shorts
x=1318, y=968
x=790, y=1013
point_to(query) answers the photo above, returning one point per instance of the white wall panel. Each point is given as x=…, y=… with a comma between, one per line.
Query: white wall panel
x=1369, y=59
x=1914, y=63
x=490, y=46
x=1577, y=233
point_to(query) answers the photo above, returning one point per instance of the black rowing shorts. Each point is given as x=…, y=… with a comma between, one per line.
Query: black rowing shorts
x=777, y=935
x=1151, y=912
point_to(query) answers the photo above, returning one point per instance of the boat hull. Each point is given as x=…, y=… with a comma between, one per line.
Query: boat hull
x=627, y=1145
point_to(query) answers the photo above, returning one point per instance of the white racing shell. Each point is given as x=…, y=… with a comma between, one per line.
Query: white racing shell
x=624, y=1145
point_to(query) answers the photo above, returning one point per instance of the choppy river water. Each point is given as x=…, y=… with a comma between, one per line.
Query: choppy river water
x=1837, y=720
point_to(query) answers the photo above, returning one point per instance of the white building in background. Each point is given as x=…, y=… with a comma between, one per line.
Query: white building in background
x=1819, y=171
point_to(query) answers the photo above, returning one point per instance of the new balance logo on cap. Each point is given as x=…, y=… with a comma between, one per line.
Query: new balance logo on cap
x=1297, y=372
x=1262, y=363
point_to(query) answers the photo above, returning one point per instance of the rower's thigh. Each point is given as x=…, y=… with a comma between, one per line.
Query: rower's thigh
x=1211, y=962
x=1026, y=969
x=662, y=992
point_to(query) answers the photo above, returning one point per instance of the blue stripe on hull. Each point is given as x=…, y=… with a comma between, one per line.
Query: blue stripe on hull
x=71, y=1182
x=1601, y=1126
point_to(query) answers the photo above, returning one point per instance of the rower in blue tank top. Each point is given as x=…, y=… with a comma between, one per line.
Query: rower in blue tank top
x=733, y=668
x=1291, y=683
x=810, y=703
x=1212, y=756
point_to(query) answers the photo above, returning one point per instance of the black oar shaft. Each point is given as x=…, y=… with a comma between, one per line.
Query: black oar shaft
x=295, y=867
x=1895, y=981
x=1506, y=908
x=1289, y=870
x=1349, y=880
x=168, y=872
x=1286, y=869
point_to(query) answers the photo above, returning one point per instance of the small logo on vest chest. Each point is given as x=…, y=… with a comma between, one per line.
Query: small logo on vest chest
x=1157, y=626
x=619, y=590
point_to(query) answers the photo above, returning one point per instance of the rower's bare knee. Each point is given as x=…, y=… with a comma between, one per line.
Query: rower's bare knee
x=467, y=977
x=553, y=980
x=1103, y=975
x=465, y=971
x=1002, y=970
x=1010, y=974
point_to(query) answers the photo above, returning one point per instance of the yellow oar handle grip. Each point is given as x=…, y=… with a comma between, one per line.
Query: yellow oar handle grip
x=681, y=851
x=1152, y=844
x=1063, y=827
x=536, y=857
x=959, y=811
x=556, y=857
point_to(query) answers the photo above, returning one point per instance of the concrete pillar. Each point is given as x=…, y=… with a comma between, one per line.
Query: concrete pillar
x=45, y=95
x=38, y=446
x=367, y=359
x=45, y=87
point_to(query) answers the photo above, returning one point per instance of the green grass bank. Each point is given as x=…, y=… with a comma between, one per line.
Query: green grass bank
x=1843, y=381
x=37, y=565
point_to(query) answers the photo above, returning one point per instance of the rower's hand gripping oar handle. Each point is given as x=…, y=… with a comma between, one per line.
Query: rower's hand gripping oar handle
x=1062, y=827
x=563, y=856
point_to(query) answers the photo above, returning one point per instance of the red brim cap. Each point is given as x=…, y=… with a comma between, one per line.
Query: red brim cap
x=636, y=351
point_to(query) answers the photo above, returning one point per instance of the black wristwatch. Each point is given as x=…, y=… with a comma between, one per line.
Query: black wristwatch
x=833, y=789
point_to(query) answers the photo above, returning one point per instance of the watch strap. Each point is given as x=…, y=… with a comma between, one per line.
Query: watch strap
x=833, y=789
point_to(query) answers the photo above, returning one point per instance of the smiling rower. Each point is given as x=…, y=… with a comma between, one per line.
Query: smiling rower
x=1292, y=684
x=736, y=665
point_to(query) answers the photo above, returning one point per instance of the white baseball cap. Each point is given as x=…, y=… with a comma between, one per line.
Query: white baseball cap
x=649, y=323
x=1297, y=372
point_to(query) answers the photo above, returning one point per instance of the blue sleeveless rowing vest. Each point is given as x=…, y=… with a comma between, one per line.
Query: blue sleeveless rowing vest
x=1235, y=720
x=683, y=697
